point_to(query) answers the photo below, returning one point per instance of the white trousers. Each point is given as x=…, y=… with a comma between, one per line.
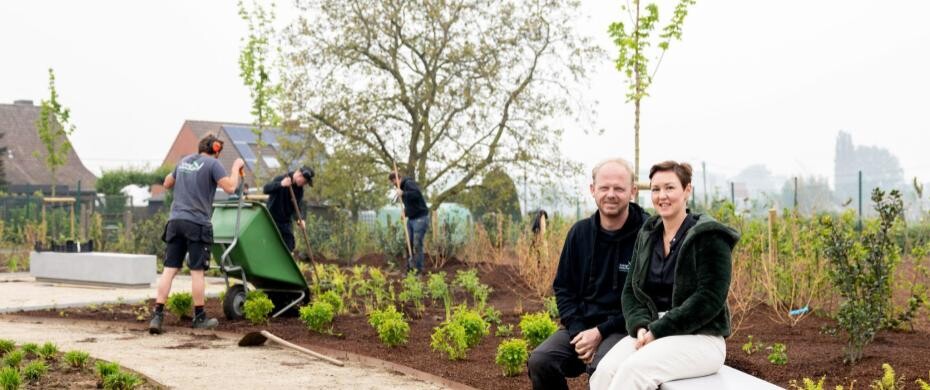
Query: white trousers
x=666, y=359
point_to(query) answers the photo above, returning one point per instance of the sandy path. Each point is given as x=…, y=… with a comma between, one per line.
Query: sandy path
x=202, y=360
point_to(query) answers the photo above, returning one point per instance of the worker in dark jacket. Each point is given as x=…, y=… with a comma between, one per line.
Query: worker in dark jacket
x=589, y=280
x=675, y=299
x=417, y=217
x=281, y=205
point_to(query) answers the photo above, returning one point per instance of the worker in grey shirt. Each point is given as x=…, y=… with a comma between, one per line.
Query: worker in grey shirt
x=189, y=230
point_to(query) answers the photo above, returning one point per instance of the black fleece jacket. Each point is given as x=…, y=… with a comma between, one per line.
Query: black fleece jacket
x=414, y=204
x=588, y=290
x=279, y=198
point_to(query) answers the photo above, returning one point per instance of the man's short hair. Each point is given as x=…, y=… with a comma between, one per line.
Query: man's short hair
x=392, y=176
x=615, y=160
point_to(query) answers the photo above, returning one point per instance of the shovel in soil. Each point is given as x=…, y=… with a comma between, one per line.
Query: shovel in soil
x=258, y=338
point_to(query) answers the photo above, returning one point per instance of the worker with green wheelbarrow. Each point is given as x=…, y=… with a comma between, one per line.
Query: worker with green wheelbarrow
x=189, y=230
x=285, y=193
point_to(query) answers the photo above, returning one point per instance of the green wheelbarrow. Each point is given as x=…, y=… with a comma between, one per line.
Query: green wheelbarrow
x=249, y=247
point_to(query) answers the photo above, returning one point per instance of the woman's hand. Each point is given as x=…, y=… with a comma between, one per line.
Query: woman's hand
x=643, y=337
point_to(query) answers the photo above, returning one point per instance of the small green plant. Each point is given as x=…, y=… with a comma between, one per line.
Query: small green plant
x=551, y=307
x=437, y=286
x=318, y=316
x=504, y=330
x=334, y=299
x=414, y=292
x=491, y=315
x=76, y=359
x=35, y=370
x=923, y=385
x=778, y=354
x=257, y=307
x=48, y=351
x=450, y=339
x=889, y=380
x=105, y=369
x=120, y=380
x=467, y=280
x=809, y=384
x=10, y=379
x=511, y=356
x=31, y=349
x=475, y=326
x=13, y=359
x=392, y=329
x=6, y=346
x=181, y=304
x=537, y=327
x=751, y=346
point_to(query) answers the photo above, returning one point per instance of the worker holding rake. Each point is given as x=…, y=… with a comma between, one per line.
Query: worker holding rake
x=284, y=196
x=417, y=215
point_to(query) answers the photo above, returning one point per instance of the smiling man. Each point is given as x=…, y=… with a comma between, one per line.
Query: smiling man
x=588, y=283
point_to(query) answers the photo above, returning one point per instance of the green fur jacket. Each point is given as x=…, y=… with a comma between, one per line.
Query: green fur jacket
x=702, y=281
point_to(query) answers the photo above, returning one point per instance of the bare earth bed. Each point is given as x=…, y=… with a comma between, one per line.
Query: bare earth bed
x=811, y=353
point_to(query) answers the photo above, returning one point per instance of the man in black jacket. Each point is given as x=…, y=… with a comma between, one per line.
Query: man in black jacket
x=280, y=203
x=417, y=217
x=589, y=280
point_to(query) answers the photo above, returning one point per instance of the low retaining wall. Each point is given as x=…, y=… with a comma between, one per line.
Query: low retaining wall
x=94, y=267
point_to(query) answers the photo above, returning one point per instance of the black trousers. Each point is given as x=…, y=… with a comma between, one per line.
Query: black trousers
x=555, y=359
x=287, y=234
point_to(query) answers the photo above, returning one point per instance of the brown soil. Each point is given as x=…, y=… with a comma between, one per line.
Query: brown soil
x=62, y=376
x=811, y=353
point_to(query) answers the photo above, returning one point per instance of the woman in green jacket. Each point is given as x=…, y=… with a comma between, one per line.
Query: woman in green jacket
x=675, y=296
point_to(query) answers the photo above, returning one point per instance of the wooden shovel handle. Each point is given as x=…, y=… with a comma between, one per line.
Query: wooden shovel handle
x=301, y=349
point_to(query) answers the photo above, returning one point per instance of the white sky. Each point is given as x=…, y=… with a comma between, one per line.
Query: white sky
x=752, y=82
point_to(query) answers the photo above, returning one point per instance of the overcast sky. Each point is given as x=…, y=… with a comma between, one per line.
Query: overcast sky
x=751, y=82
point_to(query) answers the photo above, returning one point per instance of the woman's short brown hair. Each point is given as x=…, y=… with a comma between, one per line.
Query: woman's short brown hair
x=682, y=170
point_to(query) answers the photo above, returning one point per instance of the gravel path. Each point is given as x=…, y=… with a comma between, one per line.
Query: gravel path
x=185, y=359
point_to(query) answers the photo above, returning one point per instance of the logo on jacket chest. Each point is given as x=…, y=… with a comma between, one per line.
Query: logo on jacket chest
x=623, y=267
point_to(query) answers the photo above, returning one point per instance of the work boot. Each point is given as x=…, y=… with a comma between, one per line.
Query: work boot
x=155, y=324
x=202, y=322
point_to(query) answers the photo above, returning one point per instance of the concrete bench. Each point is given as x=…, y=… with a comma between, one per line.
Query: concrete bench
x=94, y=267
x=725, y=379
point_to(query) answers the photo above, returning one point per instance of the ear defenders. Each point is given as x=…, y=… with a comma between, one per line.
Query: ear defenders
x=217, y=147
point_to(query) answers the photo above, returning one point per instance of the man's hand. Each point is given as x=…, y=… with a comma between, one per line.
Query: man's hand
x=586, y=344
x=301, y=223
x=643, y=337
x=398, y=193
x=286, y=182
x=237, y=165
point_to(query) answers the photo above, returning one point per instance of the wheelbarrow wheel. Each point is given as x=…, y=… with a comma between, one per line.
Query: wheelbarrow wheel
x=234, y=303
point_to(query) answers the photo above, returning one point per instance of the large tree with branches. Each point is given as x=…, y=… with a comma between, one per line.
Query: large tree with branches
x=445, y=89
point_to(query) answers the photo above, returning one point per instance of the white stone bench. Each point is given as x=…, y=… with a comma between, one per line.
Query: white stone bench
x=94, y=267
x=726, y=379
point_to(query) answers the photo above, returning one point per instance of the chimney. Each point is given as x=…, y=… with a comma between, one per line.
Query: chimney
x=23, y=102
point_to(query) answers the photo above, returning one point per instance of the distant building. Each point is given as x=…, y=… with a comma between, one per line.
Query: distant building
x=26, y=173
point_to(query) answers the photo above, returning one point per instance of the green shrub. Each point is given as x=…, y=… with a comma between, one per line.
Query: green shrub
x=318, y=316
x=467, y=280
x=779, y=354
x=437, y=286
x=48, y=351
x=809, y=384
x=491, y=315
x=413, y=291
x=10, y=379
x=333, y=299
x=862, y=269
x=76, y=359
x=105, y=369
x=393, y=331
x=475, y=326
x=120, y=380
x=6, y=346
x=504, y=330
x=377, y=317
x=537, y=327
x=34, y=370
x=31, y=349
x=257, y=307
x=889, y=380
x=512, y=355
x=449, y=339
x=13, y=359
x=923, y=385
x=181, y=304
x=551, y=307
